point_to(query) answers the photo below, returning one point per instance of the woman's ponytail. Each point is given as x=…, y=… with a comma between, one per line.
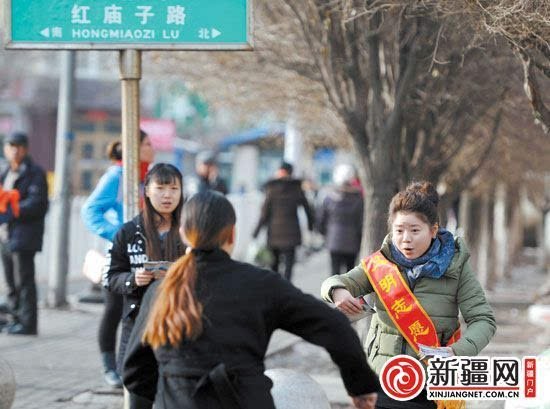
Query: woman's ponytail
x=176, y=311
x=208, y=221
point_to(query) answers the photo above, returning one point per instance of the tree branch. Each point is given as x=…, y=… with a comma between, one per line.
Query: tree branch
x=531, y=87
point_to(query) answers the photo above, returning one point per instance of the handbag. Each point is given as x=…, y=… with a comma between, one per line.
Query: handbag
x=95, y=264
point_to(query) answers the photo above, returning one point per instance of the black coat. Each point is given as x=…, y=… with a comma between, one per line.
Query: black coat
x=218, y=185
x=25, y=232
x=340, y=220
x=280, y=212
x=128, y=252
x=126, y=255
x=243, y=305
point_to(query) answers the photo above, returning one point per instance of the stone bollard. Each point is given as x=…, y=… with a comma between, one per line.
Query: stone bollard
x=7, y=385
x=296, y=390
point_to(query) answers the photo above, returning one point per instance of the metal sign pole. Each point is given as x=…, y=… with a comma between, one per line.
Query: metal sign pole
x=60, y=205
x=130, y=74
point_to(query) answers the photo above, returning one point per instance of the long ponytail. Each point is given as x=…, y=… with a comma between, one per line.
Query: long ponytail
x=176, y=311
x=208, y=221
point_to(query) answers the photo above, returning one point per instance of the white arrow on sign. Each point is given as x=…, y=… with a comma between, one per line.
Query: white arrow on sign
x=215, y=33
x=45, y=32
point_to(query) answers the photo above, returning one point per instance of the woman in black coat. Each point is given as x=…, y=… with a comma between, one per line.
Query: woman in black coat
x=283, y=196
x=153, y=235
x=206, y=326
x=340, y=220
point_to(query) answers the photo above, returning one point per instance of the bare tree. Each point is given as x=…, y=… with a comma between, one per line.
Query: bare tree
x=408, y=92
x=403, y=83
x=525, y=24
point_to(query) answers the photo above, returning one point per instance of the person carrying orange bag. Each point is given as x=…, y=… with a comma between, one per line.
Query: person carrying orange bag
x=23, y=207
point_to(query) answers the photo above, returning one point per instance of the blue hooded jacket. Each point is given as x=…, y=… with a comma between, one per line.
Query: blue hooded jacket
x=104, y=200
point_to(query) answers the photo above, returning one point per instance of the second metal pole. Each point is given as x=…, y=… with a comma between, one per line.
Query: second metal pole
x=57, y=286
x=130, y=74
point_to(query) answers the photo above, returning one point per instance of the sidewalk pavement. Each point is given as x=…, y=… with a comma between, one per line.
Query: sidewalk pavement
x=61, y=367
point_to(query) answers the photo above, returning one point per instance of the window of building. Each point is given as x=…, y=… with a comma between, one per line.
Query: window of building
x=87, y=151
x=86, y=180
x=83, y=125
x=113, y=127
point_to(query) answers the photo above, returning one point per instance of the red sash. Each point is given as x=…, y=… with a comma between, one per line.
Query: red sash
x=402, y=306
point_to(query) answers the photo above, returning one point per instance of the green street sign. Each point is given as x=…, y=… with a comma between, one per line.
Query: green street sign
x=123, y=24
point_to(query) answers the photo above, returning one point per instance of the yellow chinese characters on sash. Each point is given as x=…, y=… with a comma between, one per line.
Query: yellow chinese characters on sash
x=402, y=306
x=405, y=311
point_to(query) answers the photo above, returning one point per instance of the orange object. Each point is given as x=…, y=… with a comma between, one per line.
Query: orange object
x=9, y=197
x=405, y=310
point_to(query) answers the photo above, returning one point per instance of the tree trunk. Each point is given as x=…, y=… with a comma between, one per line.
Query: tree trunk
x=516, y=226
x=375, y=215
x=464, y=216
x=473, y=231
x=501, y=244
x=546, y=241
x=484, y=243
x=379, y=179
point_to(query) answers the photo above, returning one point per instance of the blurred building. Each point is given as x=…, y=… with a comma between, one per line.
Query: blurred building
x=94, y=131
x=249, y=159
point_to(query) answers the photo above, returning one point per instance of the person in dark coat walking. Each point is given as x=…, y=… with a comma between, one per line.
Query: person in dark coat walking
x=283, y=196
x=21, y=237
x=340, y=220
x=201, y=336
x=153, y=235
x=208, y=173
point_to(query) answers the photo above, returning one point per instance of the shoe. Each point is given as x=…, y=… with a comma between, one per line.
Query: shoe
x=19, y=329
x=3, y=323
x=110, y=375
x=112, y=378
x=5, y=309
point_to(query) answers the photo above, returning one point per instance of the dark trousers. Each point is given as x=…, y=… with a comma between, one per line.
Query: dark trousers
x=19, y=275
x=112, y=313
x=337, y=260
x=288, y=256
x=133, y=401
x=137, y=402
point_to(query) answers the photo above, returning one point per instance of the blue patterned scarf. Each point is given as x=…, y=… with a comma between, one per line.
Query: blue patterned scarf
x=433, y=263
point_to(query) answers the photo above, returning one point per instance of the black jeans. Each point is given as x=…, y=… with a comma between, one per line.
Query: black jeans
x=337, y=260
x=22, y=297
x=112, y=313
x=137, y=402
x=288, y=255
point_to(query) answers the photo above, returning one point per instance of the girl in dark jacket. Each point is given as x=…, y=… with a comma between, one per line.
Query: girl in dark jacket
x=153, y=235
x=107, y=197
x=202, y=334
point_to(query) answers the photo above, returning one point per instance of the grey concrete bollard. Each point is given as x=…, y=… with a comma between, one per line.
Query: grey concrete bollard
x=296, y=390
x=7, y=385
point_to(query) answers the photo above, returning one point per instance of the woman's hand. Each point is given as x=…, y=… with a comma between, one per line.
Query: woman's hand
x=143, y=277
x=365, y=401
x=345, y=302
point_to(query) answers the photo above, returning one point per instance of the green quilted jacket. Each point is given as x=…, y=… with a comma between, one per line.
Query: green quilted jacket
x=457, y=290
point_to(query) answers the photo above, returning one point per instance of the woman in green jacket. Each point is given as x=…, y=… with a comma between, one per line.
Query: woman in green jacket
x=420, y=269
